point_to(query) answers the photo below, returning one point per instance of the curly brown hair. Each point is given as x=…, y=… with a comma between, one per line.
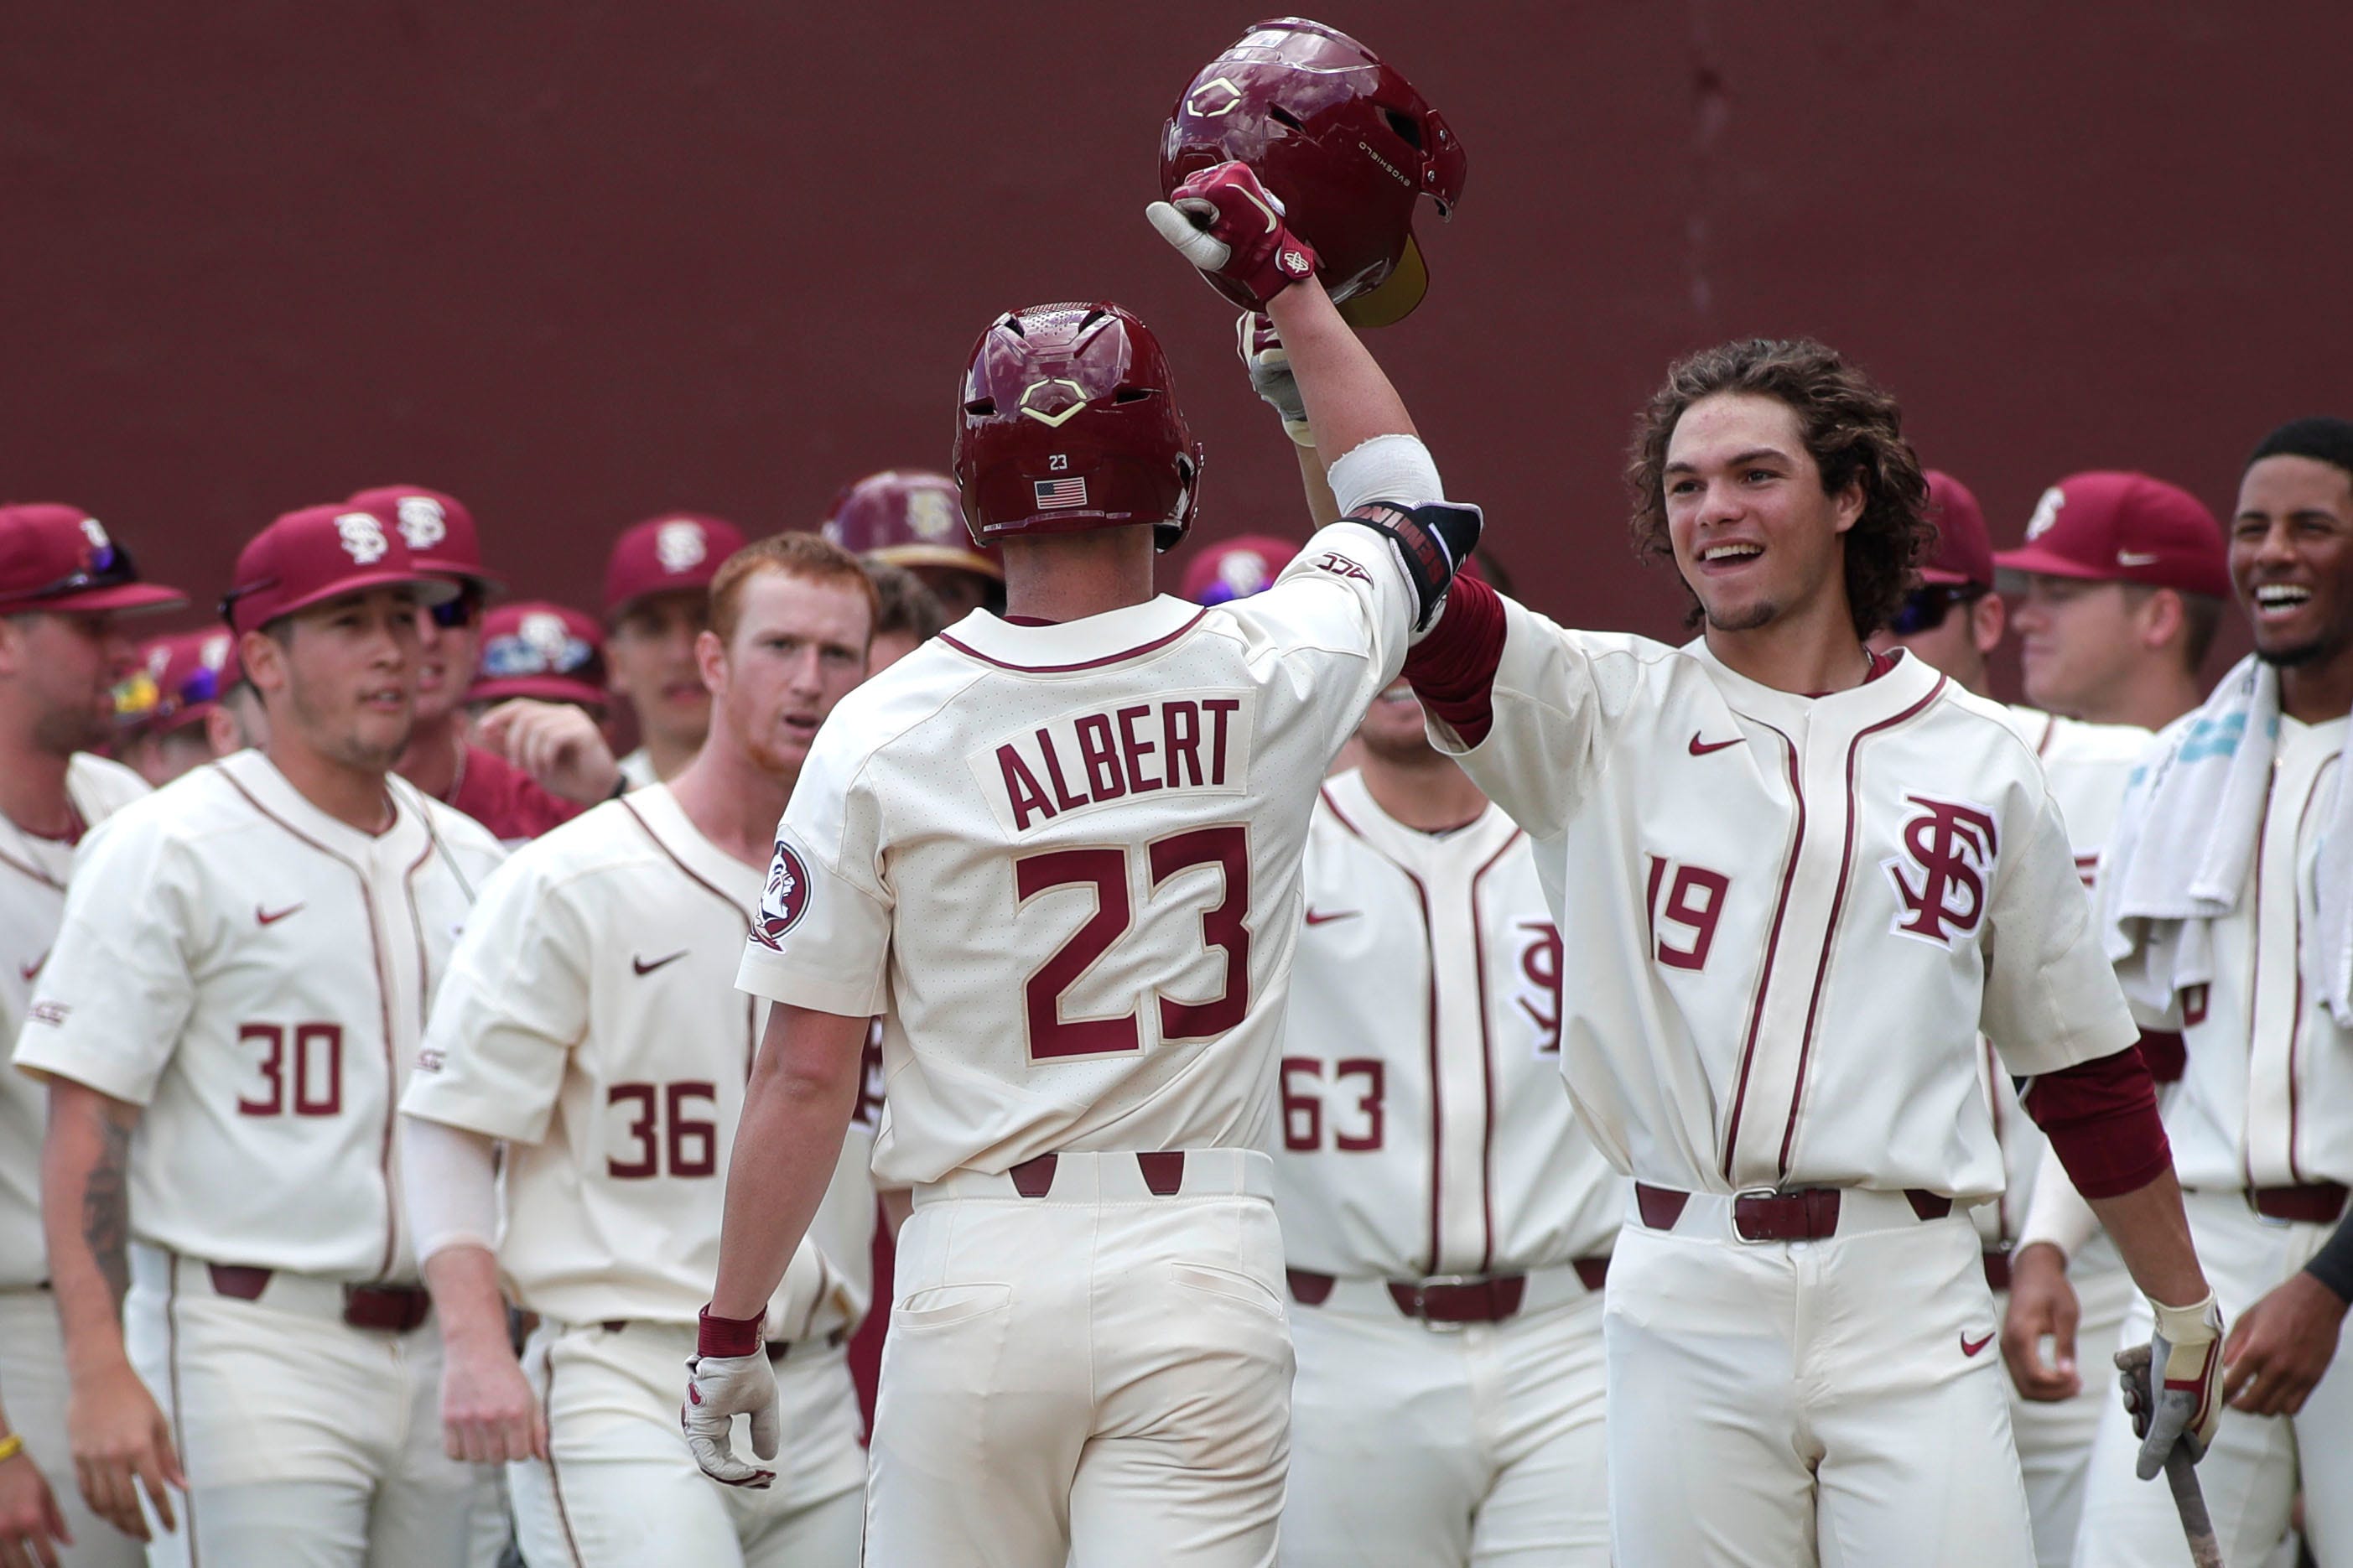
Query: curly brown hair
x=1854, y=431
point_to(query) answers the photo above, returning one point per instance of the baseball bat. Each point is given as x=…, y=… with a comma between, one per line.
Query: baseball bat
x=2180, y=1472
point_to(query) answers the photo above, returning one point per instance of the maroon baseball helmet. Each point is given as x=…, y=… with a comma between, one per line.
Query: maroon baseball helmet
x=1069, y=424
x=907, y=517
x=1343, y=140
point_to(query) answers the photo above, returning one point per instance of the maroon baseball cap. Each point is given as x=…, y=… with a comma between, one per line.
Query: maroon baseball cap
x=1964, y=553
x=2112, y=527
x=61, y=558
x=322, y=553
x=533, y=648
x=678, y=550
x=907, y=517
x=1236, y=568
x=180, y=678
x=438, y=529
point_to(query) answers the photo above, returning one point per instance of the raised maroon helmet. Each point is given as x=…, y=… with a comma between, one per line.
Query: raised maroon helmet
x=1069, y=424
x=1343, y=140
x=907, y=517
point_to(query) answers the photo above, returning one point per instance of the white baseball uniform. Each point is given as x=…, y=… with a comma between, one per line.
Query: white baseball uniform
x=1062, y=863
x=253, y=974
x=2086, y=766
x=34, y=872
x=1786, y=911
x=588, y=1019
x=2263, y=1113
x=1446, y=1224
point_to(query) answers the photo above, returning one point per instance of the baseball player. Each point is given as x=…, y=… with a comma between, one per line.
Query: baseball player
x=233, y=1002
x=2224, y=899
x=906, y=615
x=547, y=652
x=1952, y=620
x=1236, y=568
x=65, y=586
x=1802, y=877
x=1058, y=853
x=178, y=685
x=588, y=1022
x=909, y=519
x=657, y=603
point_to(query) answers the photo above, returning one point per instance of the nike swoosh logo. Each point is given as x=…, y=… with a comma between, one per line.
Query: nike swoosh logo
x=2134, y=558
x=271, y=916
x=642, y=967
x=1319, y=917
x=1968, y=1349
x=1700, y=747
x=1262, y=207
x=30, y=970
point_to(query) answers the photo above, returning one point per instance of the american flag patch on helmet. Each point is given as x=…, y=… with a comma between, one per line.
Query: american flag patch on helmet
x=1054, y=494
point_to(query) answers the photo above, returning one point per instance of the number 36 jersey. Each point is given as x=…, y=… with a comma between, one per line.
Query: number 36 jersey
x=253, y=973
x=1063, y=863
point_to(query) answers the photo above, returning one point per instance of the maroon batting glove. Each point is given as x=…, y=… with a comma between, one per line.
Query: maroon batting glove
x=1231, y=226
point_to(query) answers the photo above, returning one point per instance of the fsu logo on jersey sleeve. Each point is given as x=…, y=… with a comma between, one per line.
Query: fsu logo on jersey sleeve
x=786, y=898
x=1942, y=876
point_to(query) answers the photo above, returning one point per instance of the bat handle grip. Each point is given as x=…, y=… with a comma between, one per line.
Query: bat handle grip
x=2189, y=1499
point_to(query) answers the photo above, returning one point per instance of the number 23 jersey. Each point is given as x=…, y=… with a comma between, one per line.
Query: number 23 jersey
x=1062, y=862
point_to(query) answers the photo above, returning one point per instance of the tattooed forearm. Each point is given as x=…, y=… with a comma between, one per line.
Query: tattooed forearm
x=106, y=1207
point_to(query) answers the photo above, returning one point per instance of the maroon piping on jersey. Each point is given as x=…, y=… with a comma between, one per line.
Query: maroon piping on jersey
x=179, y=1417
x=384, y=1008
x=751, y=1003
x=1838, y=902
x=2295, y=1019
x=554, y=1475
x=1136, y=652
x=416, y=928
x=1486, y=1057
x=1772, y=946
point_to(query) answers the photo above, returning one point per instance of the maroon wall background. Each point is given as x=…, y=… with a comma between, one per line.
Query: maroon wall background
x=580, y=262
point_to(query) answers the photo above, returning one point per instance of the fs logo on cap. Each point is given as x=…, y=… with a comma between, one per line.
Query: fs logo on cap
x=2046, y=513
x=423, y=523
x=929, y=516
x=785, y=900
x=679, y=546
x=362, y=537
x=94, y=531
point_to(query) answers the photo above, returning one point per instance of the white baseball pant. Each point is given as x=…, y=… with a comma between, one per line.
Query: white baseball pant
x=620, y=1491
x=33, y=1390
x=1789, y=1402
x=1100, y=1373
x=2252, y=1474
x=1415, y=1446
x=307, y=1442
x=2054, y=1439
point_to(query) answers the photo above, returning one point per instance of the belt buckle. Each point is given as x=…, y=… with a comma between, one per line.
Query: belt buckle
x=1733, y=1213
x=1421, y=1307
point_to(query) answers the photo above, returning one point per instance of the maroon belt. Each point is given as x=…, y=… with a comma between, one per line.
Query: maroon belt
x=2320, y=1203
x=394, y=1309
x=1802, y=1214
x=1997, y=1267
x=1489, y=1300
x=1163, y=1173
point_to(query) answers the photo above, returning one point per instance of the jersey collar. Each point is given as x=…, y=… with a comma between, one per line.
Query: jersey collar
x=1345, y=796
x=1898, y=690
x=1113, y=637
x=258, y=778
x=664, y=819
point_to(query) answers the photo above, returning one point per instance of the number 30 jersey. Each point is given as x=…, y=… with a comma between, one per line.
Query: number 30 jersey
x=253, y=973
x=1063, y=863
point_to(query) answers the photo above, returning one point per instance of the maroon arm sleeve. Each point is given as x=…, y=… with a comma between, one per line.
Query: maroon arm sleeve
x=2100, y=1117
x=1452, y=670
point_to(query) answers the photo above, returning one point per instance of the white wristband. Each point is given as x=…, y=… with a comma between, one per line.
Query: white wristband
x=1392, y=467
x=450, y=1185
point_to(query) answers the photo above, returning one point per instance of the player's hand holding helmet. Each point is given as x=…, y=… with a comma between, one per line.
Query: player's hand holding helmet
x=2186, y=1376
x=722, y=1386
x=1227, y=224
x=1268, y=363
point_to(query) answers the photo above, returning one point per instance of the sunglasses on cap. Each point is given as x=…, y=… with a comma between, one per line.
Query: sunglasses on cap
x=1924, y=609
x=454, y=614
x=111, y=568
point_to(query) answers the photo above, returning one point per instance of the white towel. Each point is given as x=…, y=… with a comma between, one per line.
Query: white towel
x=2179, y=861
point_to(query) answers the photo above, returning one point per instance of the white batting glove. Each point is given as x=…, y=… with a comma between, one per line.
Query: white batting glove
x=2185, y=1366
x=721, y=1388
x=1268, y=363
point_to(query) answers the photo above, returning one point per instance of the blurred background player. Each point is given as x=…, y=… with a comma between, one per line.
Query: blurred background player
x=2116, y=596
x=909, y=518
x=1952, y=620
x=906, y=615
x=168, y=702
x=234, y=1000
x=547, y=652
x=2227, y=902
x=588, y=1022
x=658, y=602
x=1236, y=568
x=65, y=588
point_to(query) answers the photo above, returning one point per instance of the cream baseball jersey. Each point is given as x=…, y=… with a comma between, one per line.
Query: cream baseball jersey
x=1062, y=863
x=2266, y=1098
x=255, y=974
x=33, y=876
x=587, y=1020
x=1792, y=915
x=1423, y=1126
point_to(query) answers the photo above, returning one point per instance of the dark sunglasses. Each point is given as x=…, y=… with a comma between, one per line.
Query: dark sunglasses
x=109, y=568
x=458, y=612
x=1924, y=609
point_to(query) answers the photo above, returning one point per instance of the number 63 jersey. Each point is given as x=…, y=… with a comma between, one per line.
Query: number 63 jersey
x=1062, y=862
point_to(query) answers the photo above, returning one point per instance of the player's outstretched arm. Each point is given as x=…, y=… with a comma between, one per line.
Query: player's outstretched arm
x=2152, y=1232
x=1269, y=364
x=117, y=1433
x=796, y=1110
x=557, y=744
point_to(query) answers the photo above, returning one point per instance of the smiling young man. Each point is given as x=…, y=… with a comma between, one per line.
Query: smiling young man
x=225, y=1024
x=588, y=1021
x=1787, y=864
x=2227, y=902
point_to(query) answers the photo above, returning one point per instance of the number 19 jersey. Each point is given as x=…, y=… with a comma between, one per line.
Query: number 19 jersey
x=1063, y=863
